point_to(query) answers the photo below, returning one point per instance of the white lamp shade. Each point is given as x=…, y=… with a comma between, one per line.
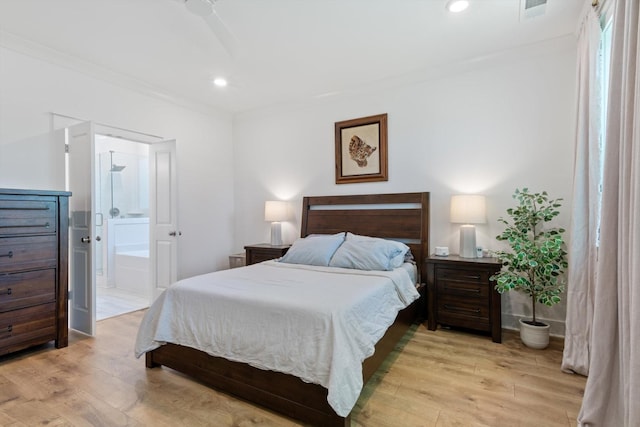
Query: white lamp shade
x=276, y=210
x=468, y=209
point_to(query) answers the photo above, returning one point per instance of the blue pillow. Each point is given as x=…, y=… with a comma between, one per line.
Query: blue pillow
x=369, y=253
x=315, y=249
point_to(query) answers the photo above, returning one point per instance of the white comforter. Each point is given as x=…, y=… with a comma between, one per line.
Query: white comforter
x=317, y=323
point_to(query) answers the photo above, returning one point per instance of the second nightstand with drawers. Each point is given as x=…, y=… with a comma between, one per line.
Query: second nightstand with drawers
x=460, y=294
x=264, y=252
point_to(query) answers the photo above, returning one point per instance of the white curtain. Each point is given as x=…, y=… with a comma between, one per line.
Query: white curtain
x=586, y=199
x=612, y=393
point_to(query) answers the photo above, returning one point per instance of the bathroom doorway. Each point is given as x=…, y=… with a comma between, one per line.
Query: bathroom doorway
x=78, y=141
x=122, y=269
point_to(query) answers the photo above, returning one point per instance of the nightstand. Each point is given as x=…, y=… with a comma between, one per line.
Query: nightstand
x=264, y=252
x=460, y=294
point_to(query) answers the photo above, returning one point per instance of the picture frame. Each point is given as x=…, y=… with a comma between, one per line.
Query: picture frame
x=361, y=150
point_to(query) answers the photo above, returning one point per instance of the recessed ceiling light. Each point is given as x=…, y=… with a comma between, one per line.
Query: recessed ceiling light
x=220, y=82
x=456, y=6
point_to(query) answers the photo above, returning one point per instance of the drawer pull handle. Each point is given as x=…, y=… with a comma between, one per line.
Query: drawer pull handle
x=454, y=308
x=7, y=255
x=6, y=292
x=6, y=333
x=25, y=208
x=45, y=225
x=458, y=277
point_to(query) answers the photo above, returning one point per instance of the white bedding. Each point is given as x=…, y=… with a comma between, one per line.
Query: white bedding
x=317, y=323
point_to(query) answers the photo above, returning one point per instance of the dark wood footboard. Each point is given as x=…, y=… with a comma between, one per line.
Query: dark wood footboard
x=283, y=393
x=280, y=392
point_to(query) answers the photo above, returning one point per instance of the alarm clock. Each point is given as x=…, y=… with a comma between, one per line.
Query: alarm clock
x=442, y=250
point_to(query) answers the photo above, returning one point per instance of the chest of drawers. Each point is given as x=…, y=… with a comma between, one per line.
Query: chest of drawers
x=33, y=268
x=460, y=294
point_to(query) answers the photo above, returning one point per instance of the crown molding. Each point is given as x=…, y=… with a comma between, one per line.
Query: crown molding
x=59, y=58
x=512, y=55
x=564, y=43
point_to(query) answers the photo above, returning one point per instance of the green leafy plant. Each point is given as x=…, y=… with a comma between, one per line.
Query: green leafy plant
x=537, y=260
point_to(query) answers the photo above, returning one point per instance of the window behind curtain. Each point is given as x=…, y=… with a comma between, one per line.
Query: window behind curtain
x=605, y=63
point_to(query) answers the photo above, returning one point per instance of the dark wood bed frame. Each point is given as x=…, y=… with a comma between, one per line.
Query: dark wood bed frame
x=400, y=216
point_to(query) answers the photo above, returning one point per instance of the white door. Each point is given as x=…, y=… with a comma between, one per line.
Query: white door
x=163, y=219
x=82, y=305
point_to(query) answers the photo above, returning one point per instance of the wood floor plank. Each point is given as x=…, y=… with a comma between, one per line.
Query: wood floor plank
x=442, y=378
x=7, y=421
x=37, y=412
x=85, y=409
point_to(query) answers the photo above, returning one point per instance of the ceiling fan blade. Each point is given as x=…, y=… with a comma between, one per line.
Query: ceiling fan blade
x=227, y=39
x=199, y=7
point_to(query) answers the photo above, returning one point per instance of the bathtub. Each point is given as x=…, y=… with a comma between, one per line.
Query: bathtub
x=128, y=255
x=132, y=271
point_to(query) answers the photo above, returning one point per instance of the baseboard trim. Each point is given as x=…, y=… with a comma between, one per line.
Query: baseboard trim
x=510, y=321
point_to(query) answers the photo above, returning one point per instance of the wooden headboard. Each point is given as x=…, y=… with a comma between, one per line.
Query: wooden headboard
x=398, y=216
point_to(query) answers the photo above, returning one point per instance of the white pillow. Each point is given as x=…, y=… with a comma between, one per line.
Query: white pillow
x=369, y=253
x=315, y=249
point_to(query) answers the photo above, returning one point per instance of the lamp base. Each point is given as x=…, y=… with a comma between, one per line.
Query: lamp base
x=468, y=241
x=276, y=234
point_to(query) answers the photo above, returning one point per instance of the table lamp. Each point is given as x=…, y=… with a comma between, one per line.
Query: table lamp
x=276, y=211
x=467, y=209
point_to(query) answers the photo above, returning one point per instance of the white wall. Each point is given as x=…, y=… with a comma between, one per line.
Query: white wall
x=31, y=88
x=487, y=127
x=17, y=160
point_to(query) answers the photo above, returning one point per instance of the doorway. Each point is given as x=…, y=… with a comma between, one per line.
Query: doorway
x=83, y=182
x=122, y=269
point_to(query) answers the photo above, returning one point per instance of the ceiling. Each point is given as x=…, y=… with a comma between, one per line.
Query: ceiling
x=288, y=50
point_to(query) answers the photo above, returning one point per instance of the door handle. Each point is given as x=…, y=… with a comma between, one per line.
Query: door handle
x=175, y=233
x=86, y=239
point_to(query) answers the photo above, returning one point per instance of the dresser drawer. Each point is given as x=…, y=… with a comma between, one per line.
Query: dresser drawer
x=463, y=283
x=21, y=253
x=26, y=327
x=27, y=216
x=454, y=310
x=25, y=289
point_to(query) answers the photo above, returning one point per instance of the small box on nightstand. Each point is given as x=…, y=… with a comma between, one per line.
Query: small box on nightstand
x=237, y=260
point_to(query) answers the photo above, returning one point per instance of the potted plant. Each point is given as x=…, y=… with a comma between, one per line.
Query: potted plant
x=536, y=263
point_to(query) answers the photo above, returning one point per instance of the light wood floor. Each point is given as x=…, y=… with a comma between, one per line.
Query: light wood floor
x=442, y=378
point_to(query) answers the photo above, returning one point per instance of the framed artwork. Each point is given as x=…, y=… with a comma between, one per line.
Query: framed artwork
x=361, y=150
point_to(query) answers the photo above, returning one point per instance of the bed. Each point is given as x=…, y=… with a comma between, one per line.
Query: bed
x=400, y=216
